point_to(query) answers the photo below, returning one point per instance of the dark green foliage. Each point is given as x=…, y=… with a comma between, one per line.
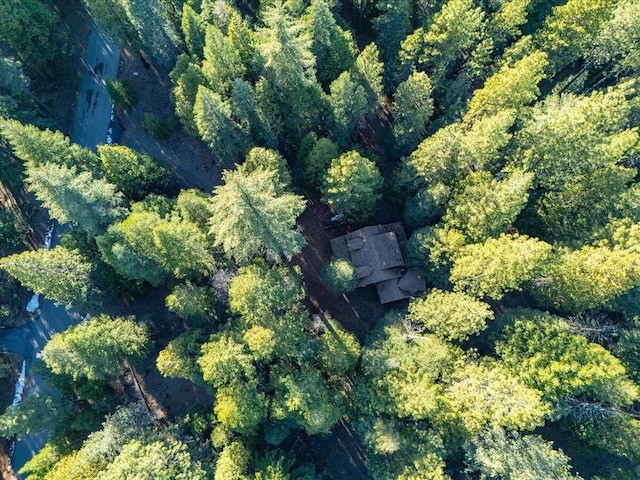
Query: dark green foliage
x=315, y=163
x=627, y=349
x=332, y=46
x=339, y=276
x=412, y=108
x=36, y=34
x=159, y=128
x=348, y=103
x=135, y=174
x=35, y=414
x=121, y=93
x=186, y=76
x=425, y=207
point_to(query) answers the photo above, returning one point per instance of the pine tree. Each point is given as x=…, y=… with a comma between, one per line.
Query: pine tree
x=214, y=120
x=352, y=186
x=97, y=349
x=76, y=198
x=253, y=216
x=412, y=108
x=332, y=46
x=484, y=207
x=348, y=103
x=59, y=274
x=499, y=265
x=37, y=147
x=222, y=62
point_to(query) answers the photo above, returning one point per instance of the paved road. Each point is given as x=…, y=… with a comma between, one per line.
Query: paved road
x=94, y=105
x=27, y=341
x=89, y=129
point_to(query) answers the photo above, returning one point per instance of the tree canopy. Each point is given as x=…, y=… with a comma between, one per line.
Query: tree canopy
x=506, y=135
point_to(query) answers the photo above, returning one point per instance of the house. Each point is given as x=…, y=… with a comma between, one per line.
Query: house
x=376, y=252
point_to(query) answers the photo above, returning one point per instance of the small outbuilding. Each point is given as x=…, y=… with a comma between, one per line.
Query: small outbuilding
x=376, y=252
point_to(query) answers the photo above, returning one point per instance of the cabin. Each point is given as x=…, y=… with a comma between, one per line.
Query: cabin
x=376, y=252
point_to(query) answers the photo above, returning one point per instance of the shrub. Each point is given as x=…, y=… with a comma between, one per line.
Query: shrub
x=122, y=94
x=159, y=127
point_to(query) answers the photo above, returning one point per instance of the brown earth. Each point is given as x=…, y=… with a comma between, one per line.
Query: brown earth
x=358, y=311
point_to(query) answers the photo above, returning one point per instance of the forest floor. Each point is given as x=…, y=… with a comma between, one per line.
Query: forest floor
x=188, y=158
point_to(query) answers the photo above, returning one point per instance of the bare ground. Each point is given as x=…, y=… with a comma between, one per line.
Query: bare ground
x=188, y=158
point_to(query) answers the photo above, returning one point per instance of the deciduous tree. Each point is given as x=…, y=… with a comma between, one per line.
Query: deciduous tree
x=192, y=302
x=178, y=358
x=401, y=371
x=240, y=407
x=338, y=350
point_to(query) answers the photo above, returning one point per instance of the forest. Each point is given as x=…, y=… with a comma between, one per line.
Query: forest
x=503, y=133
